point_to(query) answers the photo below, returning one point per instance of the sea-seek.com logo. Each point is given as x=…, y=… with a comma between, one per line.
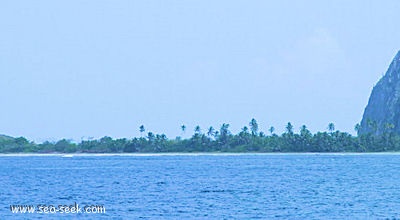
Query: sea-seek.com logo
x=53, y=209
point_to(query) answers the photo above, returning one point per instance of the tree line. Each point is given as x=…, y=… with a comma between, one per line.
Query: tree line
x=249, y=139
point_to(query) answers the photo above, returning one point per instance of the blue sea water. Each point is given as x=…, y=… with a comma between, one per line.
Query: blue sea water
x=272, y=186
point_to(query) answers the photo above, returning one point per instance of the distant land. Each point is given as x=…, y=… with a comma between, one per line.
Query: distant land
x=248, y=140
x=382, y=114
x=379, y=131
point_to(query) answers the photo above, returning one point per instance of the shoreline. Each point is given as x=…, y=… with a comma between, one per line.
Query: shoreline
x=66, y=155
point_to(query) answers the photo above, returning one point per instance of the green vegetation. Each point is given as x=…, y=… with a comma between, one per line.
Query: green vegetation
x=249, y=139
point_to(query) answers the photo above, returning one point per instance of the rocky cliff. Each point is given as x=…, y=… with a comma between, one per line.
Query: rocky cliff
x=382, y=113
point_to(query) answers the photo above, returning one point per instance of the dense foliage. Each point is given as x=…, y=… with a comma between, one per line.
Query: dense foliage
x=250, y=139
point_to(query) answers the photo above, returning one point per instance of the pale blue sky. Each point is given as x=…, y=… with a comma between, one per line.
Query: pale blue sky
x=93, y=68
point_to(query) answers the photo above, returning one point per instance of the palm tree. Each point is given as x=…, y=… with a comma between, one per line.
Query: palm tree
x=271, y=130
x=289, y=128
x=304, y=131
x=183, y=128
x=253, y=127
x=357, y=127
x=210, y=131
x=224, y=129
x=331, y=127
x=305, y=138
x=289, y=138
x=197, y=129
x=151, y=137
x=223, y=133
x=142, y=129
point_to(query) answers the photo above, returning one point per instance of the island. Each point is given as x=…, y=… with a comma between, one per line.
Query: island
x=379, y=131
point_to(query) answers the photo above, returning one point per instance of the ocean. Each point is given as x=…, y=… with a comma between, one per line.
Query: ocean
x=200, y=186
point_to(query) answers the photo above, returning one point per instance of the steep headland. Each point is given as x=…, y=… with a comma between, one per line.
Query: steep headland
x=382, y=114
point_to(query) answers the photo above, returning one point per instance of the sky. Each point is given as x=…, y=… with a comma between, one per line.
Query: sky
x=91, y=68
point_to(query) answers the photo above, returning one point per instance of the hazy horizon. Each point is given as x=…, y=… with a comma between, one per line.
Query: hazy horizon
x=73, y=69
